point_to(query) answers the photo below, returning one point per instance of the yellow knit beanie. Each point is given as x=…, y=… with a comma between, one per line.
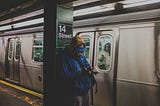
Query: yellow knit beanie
x=76, y=40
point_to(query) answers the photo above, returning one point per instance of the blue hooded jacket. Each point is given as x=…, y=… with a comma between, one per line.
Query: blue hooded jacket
x=73, y=70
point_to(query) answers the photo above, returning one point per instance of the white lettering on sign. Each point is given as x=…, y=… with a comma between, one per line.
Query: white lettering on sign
x=62, y=35
x=62, y=28
x=64, y=31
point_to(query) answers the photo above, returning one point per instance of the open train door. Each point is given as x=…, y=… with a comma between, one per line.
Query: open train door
x=13, y=59
x=96, y=42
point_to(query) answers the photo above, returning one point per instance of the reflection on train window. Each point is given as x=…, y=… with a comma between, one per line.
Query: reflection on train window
x=38, y=42
x=37, y=54
x=18, y=48
x=87, y=42
x=104, y=52
x=11, y=46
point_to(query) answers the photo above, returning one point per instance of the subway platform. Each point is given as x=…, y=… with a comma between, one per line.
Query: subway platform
x=13, y=95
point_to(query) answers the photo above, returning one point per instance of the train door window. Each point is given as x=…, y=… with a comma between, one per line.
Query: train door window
x=87, y=43
x=10, y=50
x=37, y=54
x=17, y=48
x=88, y=38
x=104, y=52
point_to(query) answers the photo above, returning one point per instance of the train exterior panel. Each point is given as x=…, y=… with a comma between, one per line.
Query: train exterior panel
x=31, y=70
x=2, y=56
x=137, y=80
x=17, y=62
x=132, y=77
x=21, y=50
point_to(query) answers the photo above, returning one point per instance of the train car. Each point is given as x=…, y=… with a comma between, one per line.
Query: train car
x=21, y=50
x=132, y=75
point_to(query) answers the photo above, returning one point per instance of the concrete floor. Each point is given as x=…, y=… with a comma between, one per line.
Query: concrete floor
x=12, y=97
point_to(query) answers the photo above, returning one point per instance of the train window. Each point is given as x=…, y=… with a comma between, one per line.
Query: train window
x=104, y=52
x=38, y=42
x=18, y=48
x=88, y=38
x=10, y=50
x=87, y=42
x=37, y=54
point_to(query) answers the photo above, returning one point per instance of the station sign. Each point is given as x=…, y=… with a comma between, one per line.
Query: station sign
x=64, y=34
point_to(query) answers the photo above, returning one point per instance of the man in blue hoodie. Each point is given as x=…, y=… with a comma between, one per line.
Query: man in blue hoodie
x=76, y=73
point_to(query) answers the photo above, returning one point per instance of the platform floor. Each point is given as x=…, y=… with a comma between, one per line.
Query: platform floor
x=12, y=97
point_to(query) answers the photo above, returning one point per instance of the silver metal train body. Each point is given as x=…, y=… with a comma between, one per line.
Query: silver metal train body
x=132, y=77
x=21, y=51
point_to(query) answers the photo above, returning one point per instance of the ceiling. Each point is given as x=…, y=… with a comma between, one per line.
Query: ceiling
x=12, y=8
x=8, y=4
x=85, y=9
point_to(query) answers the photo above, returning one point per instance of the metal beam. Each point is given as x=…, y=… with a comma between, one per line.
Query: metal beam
x=21, y=9
x=92, y=4
x=62, y=2
x=121, y=11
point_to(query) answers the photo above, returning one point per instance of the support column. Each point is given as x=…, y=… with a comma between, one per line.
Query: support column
x=58, y=23
x=50, y=13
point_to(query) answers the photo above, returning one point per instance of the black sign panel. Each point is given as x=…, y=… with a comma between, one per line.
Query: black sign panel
x=64, y=33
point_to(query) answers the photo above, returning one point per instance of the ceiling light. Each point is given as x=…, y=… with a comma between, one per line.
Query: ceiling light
x=96, y=9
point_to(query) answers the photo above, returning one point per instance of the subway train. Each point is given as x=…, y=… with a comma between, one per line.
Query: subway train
x=21, y=50
x=132, y=75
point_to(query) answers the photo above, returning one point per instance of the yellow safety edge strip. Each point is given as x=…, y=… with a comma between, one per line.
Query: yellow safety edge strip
x=22, y=89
